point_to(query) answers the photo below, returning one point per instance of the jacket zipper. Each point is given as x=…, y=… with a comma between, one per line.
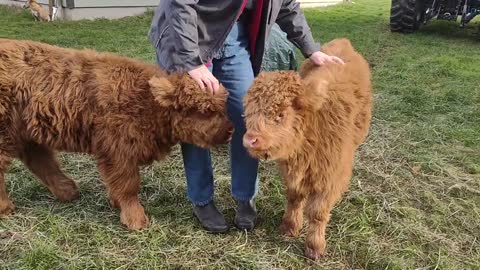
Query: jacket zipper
x=270, y=8
x=161, y=35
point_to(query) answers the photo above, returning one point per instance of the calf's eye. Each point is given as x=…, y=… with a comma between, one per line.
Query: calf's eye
x=279, y=118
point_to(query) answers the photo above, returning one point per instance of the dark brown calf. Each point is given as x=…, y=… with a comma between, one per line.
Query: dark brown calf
x=124, y=112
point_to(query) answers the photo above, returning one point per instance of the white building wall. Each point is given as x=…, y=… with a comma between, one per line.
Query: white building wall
x=112, y=9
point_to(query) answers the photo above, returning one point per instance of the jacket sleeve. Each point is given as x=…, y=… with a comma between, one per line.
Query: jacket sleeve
x=292, y=21
x=183, y=23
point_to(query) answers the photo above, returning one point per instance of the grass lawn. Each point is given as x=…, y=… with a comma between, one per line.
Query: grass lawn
x=414, y=200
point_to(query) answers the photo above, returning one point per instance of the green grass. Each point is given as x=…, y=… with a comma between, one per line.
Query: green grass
x=414, y=200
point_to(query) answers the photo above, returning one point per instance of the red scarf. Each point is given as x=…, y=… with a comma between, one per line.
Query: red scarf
x=254, y=27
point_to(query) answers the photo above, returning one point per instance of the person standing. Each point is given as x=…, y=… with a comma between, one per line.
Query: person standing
x=223, y=41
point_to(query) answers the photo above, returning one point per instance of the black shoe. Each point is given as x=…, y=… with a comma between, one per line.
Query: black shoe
x=246, y=215
x=210, y=218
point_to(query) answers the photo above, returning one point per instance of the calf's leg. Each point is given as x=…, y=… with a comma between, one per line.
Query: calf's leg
x=293, y=217
x=318, y=213
x=41, y=161
x=123, y=185
x=6, y=205
x=319, y=205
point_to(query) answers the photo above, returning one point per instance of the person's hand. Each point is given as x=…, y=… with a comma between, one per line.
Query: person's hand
x=319, y=58
x=205, y=79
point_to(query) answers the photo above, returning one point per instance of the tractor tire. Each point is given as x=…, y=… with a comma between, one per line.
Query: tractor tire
x=406, y=15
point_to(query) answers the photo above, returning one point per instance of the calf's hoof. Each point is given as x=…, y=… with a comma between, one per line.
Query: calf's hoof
x=134, y=219
x=6, y=208
x=314, y=254
x=67, y=191
x=289, y=229
x=113, y=202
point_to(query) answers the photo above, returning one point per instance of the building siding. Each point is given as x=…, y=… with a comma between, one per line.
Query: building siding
x=111, y=9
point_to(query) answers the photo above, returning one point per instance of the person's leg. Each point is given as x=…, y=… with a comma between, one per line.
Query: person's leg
x=200, y=186
x=234, y=70
x=199, y=174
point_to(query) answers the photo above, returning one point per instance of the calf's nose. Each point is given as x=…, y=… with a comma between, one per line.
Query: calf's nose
x=250, y=141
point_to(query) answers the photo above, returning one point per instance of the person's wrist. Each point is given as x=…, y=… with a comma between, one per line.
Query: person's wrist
x=317, y=52
x=195, y=68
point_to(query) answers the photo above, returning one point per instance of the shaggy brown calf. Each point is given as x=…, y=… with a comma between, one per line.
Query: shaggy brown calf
x=38, y=12
x=311, y=124
x=123, y=112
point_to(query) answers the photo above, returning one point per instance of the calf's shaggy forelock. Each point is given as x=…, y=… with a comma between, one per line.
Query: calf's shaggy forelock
x=312, y=124
x=124, y=112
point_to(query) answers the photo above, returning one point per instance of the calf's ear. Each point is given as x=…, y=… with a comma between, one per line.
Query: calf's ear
x=163, y=91
x=313, y=96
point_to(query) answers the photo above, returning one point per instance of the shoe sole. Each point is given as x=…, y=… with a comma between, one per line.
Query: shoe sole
x=215, y=231
x=244, y=228
x=210, y=230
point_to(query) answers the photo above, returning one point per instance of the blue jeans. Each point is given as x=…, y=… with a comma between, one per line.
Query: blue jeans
x=232, y=67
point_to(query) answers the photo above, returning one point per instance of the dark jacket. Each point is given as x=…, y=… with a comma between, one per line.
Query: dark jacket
x=187, y=33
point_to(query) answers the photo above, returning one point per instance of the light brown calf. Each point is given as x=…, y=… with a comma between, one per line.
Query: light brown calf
x=312, y=124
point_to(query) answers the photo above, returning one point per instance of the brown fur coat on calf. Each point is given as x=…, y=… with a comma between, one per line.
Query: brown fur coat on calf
x=312, y=124
x=124, y=112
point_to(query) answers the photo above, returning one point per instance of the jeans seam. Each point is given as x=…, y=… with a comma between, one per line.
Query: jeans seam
x=202, y=203
x=248, y=198
x=241, y=198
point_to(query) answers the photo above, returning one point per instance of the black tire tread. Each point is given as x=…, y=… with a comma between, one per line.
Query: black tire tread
x=403, y=16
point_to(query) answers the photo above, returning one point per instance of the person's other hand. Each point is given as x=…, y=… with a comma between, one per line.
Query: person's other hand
x=320, y=58
x=205, y=79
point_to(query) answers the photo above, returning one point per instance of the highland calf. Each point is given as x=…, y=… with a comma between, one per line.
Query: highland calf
x=37, y=10
x=123, y=112
x=312, y=124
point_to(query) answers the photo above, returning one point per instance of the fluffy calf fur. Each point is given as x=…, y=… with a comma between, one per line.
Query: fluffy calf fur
x=312, y=124
x=38, y=12
x=124, y=112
